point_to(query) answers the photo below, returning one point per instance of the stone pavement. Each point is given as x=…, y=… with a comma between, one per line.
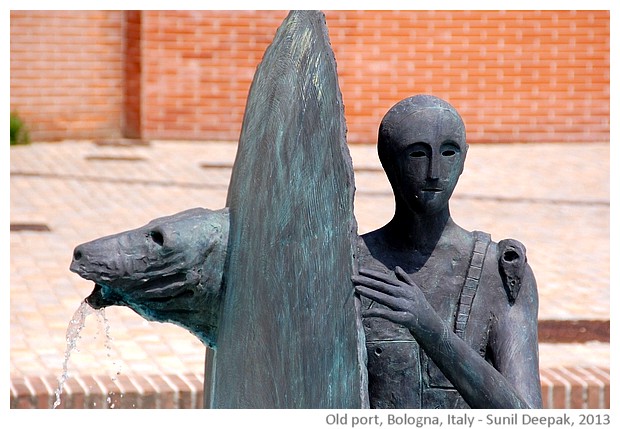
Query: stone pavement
x=555, y=198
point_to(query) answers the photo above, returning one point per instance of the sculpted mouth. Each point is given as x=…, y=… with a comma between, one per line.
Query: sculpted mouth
x=159, y=289
x=97, y=300
x=432, y=189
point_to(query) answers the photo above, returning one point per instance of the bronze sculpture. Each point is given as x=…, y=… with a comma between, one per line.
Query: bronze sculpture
x=450, y=317
x=465, y=337
x=282, y=328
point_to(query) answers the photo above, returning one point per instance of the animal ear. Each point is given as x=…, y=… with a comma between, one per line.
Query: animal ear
x=511, y=261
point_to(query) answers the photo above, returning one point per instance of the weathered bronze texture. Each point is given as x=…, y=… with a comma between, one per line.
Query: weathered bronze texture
x=297, y=310
x=169, y=270
x=450, y=316
x=282, y=326
x=290, y=336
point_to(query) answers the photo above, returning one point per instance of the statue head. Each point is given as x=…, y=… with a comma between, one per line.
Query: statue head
x=169, y=270
x=422, y=149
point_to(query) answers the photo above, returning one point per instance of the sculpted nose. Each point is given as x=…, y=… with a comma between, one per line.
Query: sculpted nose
x=434, y=167
x=80, y=258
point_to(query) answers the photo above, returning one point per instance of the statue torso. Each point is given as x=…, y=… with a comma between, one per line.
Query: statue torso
x=400, y=373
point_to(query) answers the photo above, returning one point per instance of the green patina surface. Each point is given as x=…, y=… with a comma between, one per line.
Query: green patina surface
x=289, y=332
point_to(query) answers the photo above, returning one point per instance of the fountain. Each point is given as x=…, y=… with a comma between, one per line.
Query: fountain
x=289, y=277
x=74, y=329
x=294, y=308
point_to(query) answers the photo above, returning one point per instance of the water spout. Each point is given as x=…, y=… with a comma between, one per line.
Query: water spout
x=76, y=324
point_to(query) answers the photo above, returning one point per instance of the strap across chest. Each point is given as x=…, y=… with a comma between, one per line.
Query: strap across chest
x=472, y=280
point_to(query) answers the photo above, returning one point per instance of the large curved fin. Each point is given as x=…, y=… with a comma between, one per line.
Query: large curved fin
x=290, y=335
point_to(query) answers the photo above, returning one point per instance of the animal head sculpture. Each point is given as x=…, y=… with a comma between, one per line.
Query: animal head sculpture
x=169, y=270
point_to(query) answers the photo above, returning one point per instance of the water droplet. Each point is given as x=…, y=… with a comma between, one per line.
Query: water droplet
x=76, y=324
x=108, y=339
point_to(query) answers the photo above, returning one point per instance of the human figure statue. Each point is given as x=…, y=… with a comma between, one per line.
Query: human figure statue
x=450, y=316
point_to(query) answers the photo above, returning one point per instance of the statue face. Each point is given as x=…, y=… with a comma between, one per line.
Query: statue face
x=428, y=155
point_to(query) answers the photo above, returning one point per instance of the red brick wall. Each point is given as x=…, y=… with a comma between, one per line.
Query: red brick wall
x=132, y=74
x=515, y=76
x=66, y=79
x=197, y=70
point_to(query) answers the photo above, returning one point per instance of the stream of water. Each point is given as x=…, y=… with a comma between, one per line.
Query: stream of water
x=76, y=324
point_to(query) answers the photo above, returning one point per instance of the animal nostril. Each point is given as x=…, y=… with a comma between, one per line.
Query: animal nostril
x=157, y=237
x=77, y=255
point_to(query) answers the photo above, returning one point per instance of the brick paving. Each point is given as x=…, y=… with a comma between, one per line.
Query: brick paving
x=554, y=198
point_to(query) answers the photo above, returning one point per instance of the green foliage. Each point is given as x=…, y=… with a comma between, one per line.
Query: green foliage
x=19, y=131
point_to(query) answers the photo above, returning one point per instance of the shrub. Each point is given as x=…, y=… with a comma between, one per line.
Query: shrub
x=19, y=131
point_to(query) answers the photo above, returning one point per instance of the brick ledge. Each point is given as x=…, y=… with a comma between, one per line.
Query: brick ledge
x=562, y=387
x=168, y=391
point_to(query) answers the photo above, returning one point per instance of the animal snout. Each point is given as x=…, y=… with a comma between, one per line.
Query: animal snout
x=84, y=259
x=80, y=260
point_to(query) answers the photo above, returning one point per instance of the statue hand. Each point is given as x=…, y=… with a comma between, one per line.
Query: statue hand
x=405, y=301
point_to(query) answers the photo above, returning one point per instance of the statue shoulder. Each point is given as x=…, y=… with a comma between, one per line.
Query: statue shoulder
x=367, y=245
x=512, y=265
x=506, y=258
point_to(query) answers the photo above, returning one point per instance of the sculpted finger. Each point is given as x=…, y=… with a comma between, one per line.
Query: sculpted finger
x=399, y=317
x=377, y=312
x=403, y=276
x=378, y=285
x=380, y=297
x=379, y=275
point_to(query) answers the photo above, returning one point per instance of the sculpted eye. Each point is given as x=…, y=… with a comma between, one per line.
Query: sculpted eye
x=417, y=153
x=449, y=149
x=157, y=237
x=418, y=150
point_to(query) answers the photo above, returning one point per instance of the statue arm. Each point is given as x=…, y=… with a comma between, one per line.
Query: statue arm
x=514, y=342
x=480, y=384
